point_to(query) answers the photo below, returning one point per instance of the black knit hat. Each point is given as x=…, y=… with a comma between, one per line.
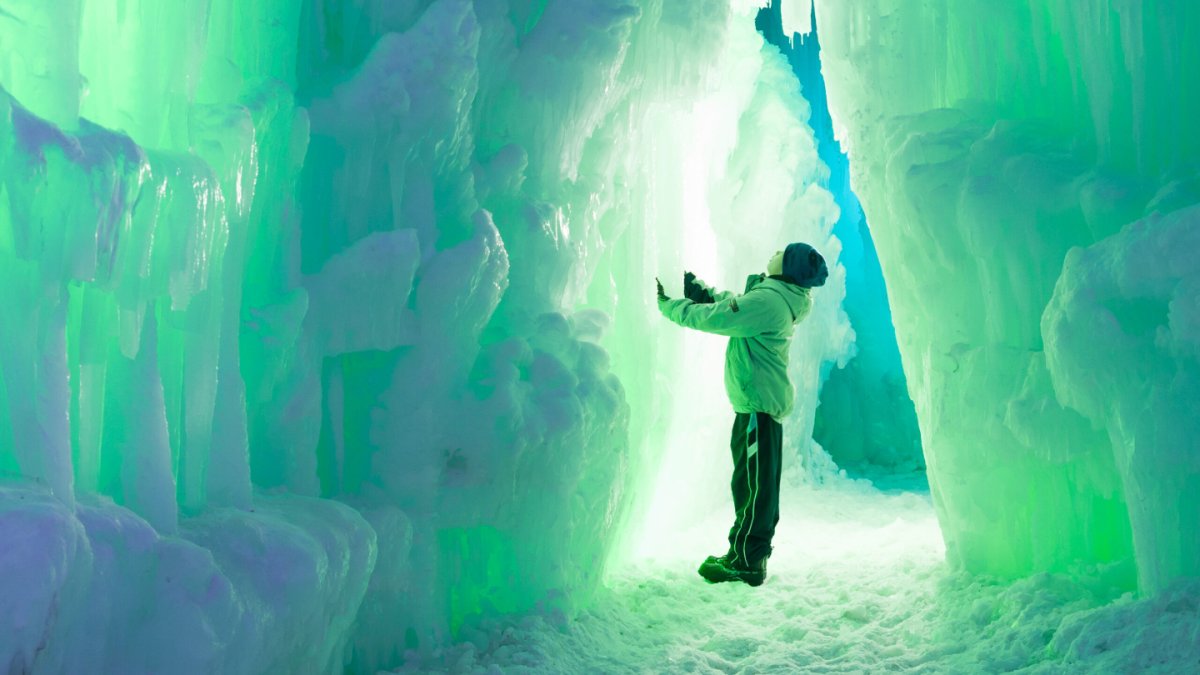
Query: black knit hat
x=804, y=265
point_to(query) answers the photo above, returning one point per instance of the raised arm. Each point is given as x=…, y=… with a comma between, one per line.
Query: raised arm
x=698, y=291
x=734, y=316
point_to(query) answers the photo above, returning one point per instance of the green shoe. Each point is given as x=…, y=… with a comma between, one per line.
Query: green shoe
x=728, y=568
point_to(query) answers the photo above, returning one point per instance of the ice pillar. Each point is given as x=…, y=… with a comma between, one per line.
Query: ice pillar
x=987, y=141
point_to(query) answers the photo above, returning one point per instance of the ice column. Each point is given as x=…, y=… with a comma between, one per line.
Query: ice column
x=988, y=141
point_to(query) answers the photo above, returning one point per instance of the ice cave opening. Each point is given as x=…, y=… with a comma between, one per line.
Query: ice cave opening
x=329, y=338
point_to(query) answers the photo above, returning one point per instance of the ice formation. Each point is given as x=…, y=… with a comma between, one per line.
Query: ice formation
x=327, y=329
x=329, y=326
x=1028, y=170
x=866, y=421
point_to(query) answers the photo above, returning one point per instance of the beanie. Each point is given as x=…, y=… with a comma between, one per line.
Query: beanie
x=804, y=265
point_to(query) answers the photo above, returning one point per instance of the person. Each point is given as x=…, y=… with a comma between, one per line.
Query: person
x=759, y=323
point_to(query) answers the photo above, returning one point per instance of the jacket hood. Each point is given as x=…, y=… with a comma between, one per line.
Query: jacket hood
x=797, y=297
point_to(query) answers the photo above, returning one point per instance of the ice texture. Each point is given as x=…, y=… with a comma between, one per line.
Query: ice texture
x=866, y=421
x=1122, y=345
x=99, y=590
x=328, y=328
x=1026, y=171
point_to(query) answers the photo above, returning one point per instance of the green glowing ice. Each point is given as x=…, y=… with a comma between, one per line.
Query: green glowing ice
x=987, y=140
x=399, y=255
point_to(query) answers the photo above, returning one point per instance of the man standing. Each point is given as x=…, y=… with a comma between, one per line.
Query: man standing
x=759, y=323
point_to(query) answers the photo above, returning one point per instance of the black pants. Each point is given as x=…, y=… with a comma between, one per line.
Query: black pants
x=757, y=457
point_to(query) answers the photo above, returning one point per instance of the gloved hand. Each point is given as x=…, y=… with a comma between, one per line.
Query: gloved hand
x=692, y=290
x=662, y=295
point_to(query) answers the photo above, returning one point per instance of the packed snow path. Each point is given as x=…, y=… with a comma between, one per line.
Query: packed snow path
x=858, y=583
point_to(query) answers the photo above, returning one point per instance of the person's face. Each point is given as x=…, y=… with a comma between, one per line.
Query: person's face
x=775, y=264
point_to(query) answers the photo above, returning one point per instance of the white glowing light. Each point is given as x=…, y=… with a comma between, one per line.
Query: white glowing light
x=700, y=242
x=797, y=17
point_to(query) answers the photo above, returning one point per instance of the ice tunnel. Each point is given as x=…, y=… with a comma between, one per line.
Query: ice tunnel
x=329, y=340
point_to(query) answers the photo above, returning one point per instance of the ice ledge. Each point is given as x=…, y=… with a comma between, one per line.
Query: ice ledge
x=96, y=589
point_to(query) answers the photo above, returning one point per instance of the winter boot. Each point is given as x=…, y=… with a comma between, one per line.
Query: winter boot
x=722, y=559
x=730, y=568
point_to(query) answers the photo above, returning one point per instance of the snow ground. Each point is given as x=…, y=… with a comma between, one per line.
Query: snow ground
x=858, y=583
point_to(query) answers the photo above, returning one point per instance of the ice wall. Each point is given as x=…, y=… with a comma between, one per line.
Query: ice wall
x=1004, y=152
x=329, y=326
x=866, y=421
x=140, y=192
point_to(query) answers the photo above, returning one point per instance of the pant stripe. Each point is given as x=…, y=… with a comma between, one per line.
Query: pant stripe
x=752, y=427
x=753, y=498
